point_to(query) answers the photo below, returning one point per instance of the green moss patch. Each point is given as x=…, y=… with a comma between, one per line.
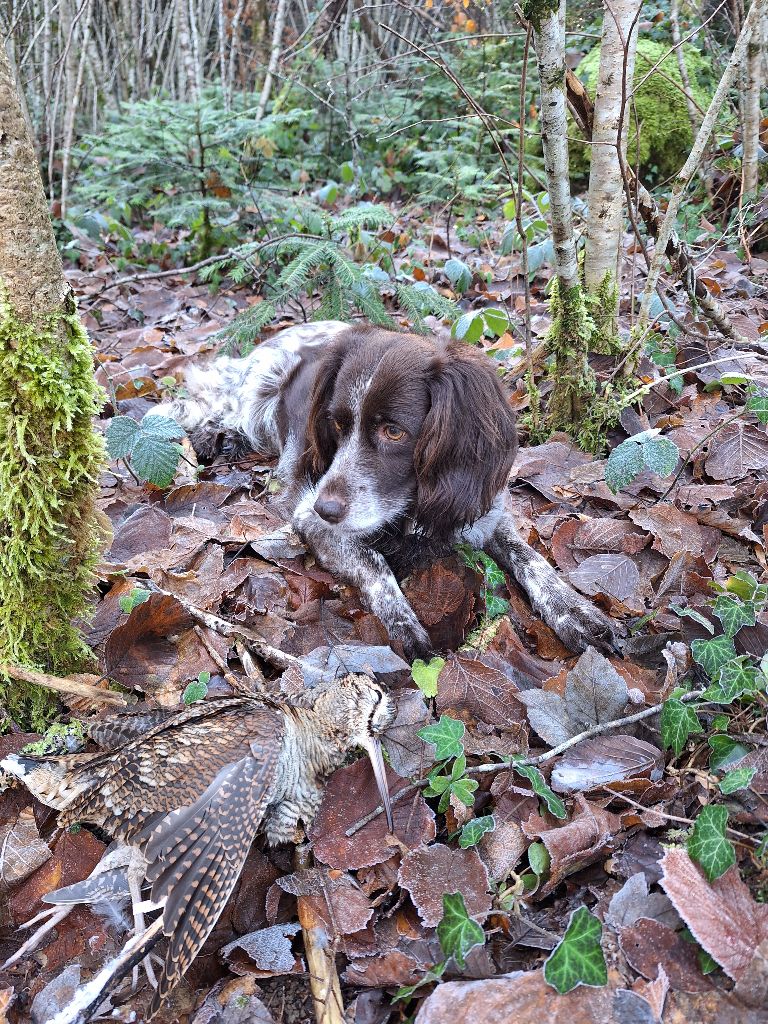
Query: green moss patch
x=51, y=532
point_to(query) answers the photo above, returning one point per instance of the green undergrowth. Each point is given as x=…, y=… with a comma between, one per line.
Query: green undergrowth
x=52, y=532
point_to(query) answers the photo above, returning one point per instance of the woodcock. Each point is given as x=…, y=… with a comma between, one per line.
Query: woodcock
x=189, y=793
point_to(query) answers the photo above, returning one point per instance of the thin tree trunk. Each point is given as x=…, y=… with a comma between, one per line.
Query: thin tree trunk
x=274, y=57
x=71, y=112
x=674, y=20
x=688, y=169
x=50, y=456
x=571, y=329
x=609, y=147
x=188, y=76
x=750, y=167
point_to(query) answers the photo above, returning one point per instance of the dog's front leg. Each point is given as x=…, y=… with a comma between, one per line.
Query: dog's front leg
x=354, y=562
x=577, y=621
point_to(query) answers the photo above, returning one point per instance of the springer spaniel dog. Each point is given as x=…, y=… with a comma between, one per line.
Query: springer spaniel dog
x=386, y=442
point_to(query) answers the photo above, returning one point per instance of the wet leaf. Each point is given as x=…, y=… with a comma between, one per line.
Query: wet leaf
x=578, y=958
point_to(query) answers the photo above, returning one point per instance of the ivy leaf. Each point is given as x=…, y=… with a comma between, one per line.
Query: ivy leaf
x=446, y=736
x=678, y=721
x=691, y=613
x=425, y=675
x=578, y=958
x=495, y=606
x=494, y=576
x=474, y=830
x=725, y=751
x=736, y=678
x=464, y=790
x=758, y=404
x=708, y=845
x=433, y=974
x=739, y=778
x=734, y=614
x=458, y=932
x=120, y=436
x=713, y=654
x=554, y=804
x=743, y=584
x=459, y=274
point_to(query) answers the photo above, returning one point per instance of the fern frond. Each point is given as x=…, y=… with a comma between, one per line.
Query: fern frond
x=364, y=215
x=297, y=273
x=246, y=326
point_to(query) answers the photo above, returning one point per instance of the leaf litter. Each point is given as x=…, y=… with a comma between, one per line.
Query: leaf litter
x=586, y=869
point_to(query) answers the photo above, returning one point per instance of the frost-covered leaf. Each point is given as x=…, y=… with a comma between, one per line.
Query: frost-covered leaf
x=161, y=426
x=474, y=830
x=602, y=759
x=612, y=574
x=578, y=958
x=708, y=844
x=120, y=435
x=661, y=455
x=678, y=722
x=458, y=932
x=725, y=751
x=624, y=464
x=646, y=450
x=446, y=735
x=594, y=691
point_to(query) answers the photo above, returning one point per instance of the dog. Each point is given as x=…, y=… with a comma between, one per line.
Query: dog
x=386, y=442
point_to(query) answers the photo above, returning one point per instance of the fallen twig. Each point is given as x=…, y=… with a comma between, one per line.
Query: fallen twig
x=320, y=954
x=68, y=684
x=272, y=655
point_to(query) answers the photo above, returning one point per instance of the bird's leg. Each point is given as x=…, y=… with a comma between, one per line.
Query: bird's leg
x=576, y=620
x=54, y=916
x=139, y=924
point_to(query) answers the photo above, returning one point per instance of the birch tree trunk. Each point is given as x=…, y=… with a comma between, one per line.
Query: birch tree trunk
x=50, y=456
x=750, y=166
x=572, y=327
x=606, y=185
x=274, y=57
x=686, y=172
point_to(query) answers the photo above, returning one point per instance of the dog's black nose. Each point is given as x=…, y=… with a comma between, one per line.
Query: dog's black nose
x=331, y=508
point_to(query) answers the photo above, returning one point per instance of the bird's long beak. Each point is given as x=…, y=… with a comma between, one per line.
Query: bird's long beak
x=372, y=747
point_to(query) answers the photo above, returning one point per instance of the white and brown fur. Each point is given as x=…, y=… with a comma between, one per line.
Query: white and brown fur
x=385, y=441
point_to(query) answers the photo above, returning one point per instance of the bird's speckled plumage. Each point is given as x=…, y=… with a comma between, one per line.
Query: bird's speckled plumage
x=192, y=792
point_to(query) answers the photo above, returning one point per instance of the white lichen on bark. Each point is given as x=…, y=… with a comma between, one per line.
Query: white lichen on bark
x=750, y=167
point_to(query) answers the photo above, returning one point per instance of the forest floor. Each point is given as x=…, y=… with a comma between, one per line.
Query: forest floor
x=675, y=944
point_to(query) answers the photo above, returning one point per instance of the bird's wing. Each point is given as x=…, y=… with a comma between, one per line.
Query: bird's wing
x=196, y=853
x=167, y=768
x=111, y=733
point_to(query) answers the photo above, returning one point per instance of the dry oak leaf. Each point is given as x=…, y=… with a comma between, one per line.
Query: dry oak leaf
x=589, y=835
x=471, y=684
x=352, y=794
x=519, y=998
x=614, y=575
x=430, y=871
x=444, y=595
x=722, y=916
x=265, y=952
x=735, y=450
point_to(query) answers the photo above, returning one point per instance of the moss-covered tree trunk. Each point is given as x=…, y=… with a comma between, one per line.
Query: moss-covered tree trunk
x=50, y=529
x=572, y=327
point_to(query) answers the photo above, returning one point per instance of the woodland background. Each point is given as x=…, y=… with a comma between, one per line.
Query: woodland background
x=218, y=169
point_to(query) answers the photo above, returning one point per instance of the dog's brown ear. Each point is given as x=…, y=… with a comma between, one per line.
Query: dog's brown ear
x=467, y=443
x=321, y=440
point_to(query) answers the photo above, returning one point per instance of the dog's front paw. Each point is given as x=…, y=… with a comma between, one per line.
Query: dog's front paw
x=577, y=621
x=413, y=638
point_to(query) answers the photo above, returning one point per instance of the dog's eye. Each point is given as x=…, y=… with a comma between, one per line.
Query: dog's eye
x=392, y=432
x=336, y=426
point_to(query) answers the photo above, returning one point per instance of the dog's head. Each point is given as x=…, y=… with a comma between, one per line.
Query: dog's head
x=400, y=425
